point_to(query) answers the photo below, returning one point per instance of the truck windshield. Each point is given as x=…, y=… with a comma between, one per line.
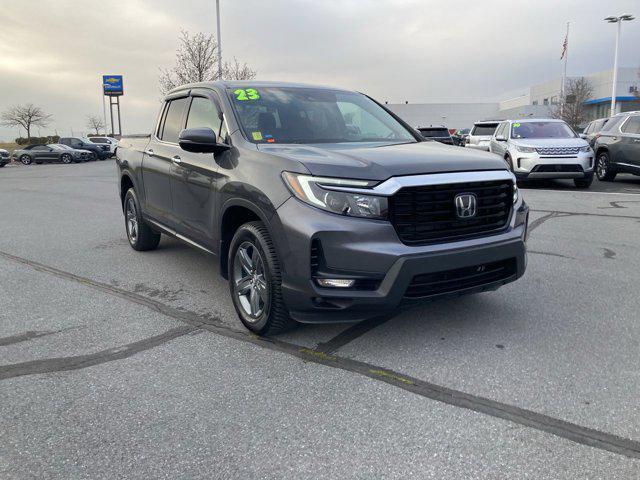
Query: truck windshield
x=309, y=115
x=541, y=130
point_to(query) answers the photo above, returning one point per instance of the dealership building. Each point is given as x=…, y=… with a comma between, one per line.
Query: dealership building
x=536, y=101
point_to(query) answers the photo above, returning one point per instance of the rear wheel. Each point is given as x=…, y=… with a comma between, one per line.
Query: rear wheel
x=141, y=236
x=26, y=159
x=255, y=281
x=93, y=156
x=603, y=168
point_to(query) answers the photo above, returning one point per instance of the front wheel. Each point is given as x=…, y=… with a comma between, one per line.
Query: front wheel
x=93, y=156
x=603, y=168
x=255, y=281
x=66, y=158
x=583, y=182
x=140, y=235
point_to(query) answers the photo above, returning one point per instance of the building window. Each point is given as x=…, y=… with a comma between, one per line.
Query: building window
x=535, y=102
x=545, y=101
x=554, y=100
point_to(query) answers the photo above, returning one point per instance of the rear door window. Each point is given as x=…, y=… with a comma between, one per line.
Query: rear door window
x=632, y=125
x=173, y=123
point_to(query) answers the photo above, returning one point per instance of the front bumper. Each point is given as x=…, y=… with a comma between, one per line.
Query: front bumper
x=371, y=251
x=535, y=166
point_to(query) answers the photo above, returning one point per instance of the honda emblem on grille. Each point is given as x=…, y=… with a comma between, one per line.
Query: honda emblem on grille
x=466, y=205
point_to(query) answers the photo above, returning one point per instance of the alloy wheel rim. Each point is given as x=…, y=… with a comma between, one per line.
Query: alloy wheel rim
x=132, y=221
x=249, y=281
x=25, y=159
x=66, y=159
x=602, y=166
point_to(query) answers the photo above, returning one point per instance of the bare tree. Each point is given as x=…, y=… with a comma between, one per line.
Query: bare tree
x=94, y=122
x=25, y=116
x=577, y=91
x=237, y=71
x=197, y=61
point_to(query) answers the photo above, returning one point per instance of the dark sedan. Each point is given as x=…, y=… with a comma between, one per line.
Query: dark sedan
x=49, y=153
x=618, y=146
x=4, y=157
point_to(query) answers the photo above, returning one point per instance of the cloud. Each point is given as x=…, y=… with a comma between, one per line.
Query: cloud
x=53, y=53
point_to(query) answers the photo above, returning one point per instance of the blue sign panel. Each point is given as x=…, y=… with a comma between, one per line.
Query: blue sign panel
x=112, y=85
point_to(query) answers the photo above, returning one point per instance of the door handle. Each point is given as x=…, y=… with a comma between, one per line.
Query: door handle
x=149, y=151
x=176, y=159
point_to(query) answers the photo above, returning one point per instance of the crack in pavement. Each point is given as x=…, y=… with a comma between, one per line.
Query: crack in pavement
x=23, y=337
x=61, y=364
x=551, y=254
x=538, y=421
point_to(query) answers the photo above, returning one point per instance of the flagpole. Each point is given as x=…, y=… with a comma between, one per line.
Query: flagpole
x=564, y=72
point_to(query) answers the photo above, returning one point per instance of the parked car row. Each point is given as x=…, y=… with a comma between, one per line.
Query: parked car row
x=68, y=150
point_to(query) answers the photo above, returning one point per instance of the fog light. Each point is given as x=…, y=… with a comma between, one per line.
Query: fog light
x=335, y=282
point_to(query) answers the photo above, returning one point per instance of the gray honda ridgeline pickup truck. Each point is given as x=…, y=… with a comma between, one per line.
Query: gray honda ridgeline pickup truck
x=321, y=205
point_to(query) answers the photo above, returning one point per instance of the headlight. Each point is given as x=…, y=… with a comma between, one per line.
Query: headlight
x=525, y=149
x=316, y=191
x=516, y=193
x=585, y=149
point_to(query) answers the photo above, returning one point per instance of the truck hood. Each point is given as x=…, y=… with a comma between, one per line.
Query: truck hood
x=549, y=142
x=375, y=162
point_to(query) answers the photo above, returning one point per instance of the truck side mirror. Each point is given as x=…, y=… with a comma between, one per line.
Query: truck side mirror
x=583, y=136
x=501, y=138
x=200, y=140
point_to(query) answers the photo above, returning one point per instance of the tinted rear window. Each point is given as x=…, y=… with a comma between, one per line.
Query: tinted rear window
x=434, y=132
x=486, y=129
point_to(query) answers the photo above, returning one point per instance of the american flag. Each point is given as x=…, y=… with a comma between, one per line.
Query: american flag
x=564, y=46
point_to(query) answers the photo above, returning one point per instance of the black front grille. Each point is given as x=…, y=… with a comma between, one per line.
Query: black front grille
x=439, y=283
x=427, y=214
x=558, y=168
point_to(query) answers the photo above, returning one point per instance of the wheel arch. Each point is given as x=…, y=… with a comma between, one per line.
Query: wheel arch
x=126, y=182
x=233, y=214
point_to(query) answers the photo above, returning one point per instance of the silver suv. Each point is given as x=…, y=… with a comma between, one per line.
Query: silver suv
x=544, y=148
x=480, y=135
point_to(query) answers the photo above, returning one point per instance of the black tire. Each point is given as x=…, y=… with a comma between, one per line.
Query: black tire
x=583, y=182
x=262, y=274
x=603, y=167
x=2, y=165
x=140, y=235
x=26, y=159
x=92, y=156
x=66, y=158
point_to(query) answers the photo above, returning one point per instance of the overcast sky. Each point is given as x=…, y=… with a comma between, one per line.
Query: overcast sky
x=53, y=52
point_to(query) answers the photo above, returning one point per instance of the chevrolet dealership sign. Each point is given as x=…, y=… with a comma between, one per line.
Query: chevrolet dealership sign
x=112, y=85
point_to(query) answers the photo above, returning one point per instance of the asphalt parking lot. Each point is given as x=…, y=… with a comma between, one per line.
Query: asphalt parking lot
x=115, y=363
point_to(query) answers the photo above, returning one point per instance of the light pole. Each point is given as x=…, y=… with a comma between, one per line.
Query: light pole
x=219, y=41
x=618, y=20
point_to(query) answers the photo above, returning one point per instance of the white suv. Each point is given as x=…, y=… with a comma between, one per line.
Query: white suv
x=481, y=133
x=544, y=148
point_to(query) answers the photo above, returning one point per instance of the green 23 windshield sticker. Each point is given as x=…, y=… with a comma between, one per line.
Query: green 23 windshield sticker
x=246, y=94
